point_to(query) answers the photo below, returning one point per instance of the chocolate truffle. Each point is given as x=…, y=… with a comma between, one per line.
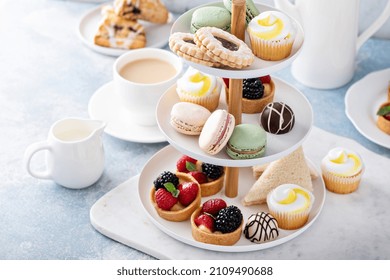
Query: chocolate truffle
x=277, y=118
x=261, y=227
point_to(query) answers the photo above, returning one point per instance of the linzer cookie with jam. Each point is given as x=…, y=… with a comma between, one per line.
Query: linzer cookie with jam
x=224, y=47
x=183, y=45
x=117, y=32
x=149, y=10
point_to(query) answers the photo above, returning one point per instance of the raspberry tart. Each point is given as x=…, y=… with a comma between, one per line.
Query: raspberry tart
x=383, y=121
x=256, y=93
x=175, y=196
x=216, y=223
x=209, y=176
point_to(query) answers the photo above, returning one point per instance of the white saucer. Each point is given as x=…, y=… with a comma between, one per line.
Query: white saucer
x=363, y=100
x=157, y=35
x=104, y=105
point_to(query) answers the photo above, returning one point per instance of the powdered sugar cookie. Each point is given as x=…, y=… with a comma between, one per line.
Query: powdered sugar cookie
x=224, y=47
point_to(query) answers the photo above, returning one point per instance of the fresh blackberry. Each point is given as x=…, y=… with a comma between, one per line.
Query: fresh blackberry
x=212, y=171
x=228, y=219
x=252, y=88
x=165, y=177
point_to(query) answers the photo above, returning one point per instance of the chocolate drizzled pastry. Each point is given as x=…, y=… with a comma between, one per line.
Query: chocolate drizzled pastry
x=277, y=118
x=261, y=227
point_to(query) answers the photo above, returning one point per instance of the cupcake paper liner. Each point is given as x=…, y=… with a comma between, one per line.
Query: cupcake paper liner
x=271, y=50
x=211, y=101
x=290, y=221
x=341, y=184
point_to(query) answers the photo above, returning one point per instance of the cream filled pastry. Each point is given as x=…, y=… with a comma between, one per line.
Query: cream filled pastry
x=290, y=205
x=200, y=88
x=342, y=162
x=272, y=35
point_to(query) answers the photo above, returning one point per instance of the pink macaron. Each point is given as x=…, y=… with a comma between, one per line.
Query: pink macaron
x=189, y=118
x=216, y=131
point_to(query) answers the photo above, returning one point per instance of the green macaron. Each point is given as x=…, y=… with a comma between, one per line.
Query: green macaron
x=247, y=141
x=210, y=16
x=251, y=9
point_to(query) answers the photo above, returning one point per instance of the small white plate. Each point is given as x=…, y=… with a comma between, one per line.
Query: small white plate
x=277, y=145
x=259, y=67
x=166, y=159
x=363, y=100
x=157, y=35
x=104, y=105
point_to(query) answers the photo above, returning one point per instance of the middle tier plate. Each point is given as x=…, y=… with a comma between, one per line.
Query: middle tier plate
x=277, y=145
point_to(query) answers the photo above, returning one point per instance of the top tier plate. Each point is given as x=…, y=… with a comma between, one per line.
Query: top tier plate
x=259, y=67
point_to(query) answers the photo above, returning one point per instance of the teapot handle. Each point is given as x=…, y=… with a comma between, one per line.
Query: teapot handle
x=30, y=151
x=374, y=26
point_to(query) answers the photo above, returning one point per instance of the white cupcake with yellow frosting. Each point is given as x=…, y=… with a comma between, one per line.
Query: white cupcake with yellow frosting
x=199, y=88
x=290, y=205
x=272, y=35
x=342, y=170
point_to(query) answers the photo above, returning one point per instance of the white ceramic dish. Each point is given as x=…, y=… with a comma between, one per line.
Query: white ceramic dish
x=259, y=67
x=166, y=159
x=362, y=101
x=104, y=105
x=157, y=35
x=278, y=145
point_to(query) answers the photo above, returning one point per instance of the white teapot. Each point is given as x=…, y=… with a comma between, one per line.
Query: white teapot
x=327, y=58
x=74, y=153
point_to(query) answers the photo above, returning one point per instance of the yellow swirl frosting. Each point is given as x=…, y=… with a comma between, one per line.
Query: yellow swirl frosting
x=342, y=162
x=290, y=198
x=196, y=83
x=272, y=25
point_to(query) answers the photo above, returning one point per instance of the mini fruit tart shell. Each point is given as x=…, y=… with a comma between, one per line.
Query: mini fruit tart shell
x=254, y=106
x=224, y=239
x=382, y=122
x=182, y=214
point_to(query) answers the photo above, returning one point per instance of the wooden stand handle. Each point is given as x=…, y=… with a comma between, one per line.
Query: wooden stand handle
x=235, y=92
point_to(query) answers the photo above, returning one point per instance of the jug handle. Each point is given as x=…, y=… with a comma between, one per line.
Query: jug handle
x=374, y=26
x=30, y=151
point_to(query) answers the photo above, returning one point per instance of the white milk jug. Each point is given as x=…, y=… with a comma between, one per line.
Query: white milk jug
x=74, y=153
x=327, y=58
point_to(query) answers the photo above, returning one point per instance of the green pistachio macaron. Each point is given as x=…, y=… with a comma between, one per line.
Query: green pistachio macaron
x=251, y=9
x=247, y=141
x=210, y=16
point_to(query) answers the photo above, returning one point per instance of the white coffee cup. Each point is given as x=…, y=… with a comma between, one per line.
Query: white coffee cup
x=141, y=91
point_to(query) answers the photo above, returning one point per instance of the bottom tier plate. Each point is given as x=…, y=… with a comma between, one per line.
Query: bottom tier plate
x=166, y=159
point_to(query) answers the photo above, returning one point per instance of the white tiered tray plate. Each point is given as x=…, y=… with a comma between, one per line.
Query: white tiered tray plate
x=277, y=145
x=166, y=159
x=157, y=35
x=259, y=67
x=363, y=100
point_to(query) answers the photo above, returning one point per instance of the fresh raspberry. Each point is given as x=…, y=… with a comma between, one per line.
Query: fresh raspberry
x=265, y=79
x=186, y=164
x=187, y=192
x=226, y=81
x=164, y=199
x=205, y=222
x=212, y=206
x=199, y=176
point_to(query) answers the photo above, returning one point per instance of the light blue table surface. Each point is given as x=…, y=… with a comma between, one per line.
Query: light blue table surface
x=46, y=74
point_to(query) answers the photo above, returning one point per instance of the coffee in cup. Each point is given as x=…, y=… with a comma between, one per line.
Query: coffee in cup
x=141, y=77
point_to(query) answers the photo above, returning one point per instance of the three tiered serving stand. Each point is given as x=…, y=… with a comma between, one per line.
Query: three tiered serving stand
x=238, y=176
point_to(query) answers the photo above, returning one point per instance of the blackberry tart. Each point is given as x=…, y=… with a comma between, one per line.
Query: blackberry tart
x=216, y=223
x=175, y=196
x=256, y=93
